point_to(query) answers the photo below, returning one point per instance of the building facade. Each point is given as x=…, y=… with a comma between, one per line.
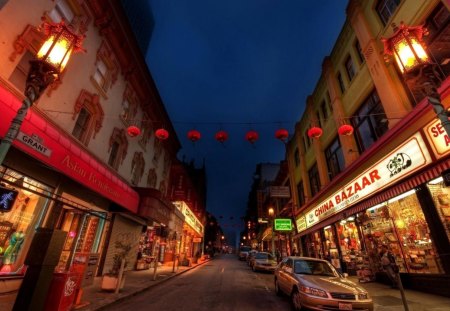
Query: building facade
x=85, y=179
x=377, y=173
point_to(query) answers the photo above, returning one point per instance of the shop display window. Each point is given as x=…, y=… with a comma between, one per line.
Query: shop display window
x=17, y=226
x=330, y=246
x=83, y=235
x=315, y=245
x=350, y=245
x=441, y=198
x=400, y=224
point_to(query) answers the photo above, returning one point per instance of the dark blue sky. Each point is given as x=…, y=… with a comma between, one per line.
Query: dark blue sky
x=238, y=65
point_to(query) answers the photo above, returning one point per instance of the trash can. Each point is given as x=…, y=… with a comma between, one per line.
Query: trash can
x=61, y=294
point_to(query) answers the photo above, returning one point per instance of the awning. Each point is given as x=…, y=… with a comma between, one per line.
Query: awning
x=153, y=206
x=422, y=177
x=58, y=150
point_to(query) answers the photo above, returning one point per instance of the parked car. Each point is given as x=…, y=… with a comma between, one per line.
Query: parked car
x=315, y=284
x=263, y=261
x=243, y=252
x=250, y=256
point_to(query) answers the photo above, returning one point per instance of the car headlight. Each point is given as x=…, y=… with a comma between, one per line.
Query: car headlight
x=363, y=296
x=314, y=291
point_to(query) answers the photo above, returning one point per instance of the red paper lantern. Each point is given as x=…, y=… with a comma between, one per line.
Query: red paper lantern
x=221, y=136
x=252, y=136
x=133, y=131
x=345, y=130
x=194, y=135
x=282, y=134
x=161, y=134
x=315, y=132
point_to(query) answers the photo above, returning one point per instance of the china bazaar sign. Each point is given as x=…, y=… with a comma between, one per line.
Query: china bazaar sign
x=403, y=161
x=439, y=140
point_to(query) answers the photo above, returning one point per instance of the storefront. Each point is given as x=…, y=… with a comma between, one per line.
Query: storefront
x=155, y=240
x=401, y=202
x=193, y=232
x=64, y=196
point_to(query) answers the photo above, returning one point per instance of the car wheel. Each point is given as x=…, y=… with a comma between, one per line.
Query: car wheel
x=295, y=300
x=277, y=288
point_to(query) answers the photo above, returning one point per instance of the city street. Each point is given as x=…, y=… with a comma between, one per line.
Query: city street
x=223, y=283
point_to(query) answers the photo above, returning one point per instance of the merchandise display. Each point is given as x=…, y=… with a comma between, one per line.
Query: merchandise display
x=401, y=225
x=441, y=198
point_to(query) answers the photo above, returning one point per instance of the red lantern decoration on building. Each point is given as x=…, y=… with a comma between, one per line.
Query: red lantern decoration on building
x=161, y=134
x=252, y=136
x=315, y=132
x=345, y=130
x=133, y=131
x=282, y=134
x=194, y=135
x=221, y=136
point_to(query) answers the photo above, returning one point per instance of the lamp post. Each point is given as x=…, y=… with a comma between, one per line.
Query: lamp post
x=419, y=72
x=47, y=243
x=271, y=213
x=50, y=61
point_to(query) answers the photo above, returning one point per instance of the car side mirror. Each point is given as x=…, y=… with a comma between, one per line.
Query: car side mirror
x=345, y=275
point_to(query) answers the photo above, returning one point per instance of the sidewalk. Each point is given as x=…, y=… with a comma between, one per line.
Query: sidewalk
x=387, y=299
x=94, y=298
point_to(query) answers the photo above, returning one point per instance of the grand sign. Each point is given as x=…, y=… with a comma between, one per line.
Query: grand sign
x=404, y=160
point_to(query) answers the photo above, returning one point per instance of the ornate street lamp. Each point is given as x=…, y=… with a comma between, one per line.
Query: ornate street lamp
x=412, y=59
x=50, y=61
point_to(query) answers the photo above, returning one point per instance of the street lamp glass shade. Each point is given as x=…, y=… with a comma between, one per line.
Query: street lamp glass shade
x=271, y=211
x=58, y=47
x=409, y=54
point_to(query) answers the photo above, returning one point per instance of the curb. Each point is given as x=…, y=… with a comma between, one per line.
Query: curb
x=143, y=289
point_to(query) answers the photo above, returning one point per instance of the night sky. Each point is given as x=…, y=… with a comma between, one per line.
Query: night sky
x=238, y=65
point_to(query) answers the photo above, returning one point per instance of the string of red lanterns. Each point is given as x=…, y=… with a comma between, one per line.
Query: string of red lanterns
x=251, y=136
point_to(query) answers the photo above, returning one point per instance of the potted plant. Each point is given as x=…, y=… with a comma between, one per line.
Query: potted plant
x=111, y=279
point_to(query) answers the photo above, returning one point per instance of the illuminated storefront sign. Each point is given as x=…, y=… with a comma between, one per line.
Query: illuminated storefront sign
x=301, y=224
x=283, y=224
x=439, y=140
x=7, y=198
x=189, y=216
x=409, y=157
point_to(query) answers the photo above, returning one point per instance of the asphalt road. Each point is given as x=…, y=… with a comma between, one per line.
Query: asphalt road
x=222, y=284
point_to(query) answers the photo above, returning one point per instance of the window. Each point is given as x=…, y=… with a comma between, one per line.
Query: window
x=146, y=131
x=306, y=140
x=324, y=111
x=106, y=69
x=118, y=146
x=438, y=25
x=62, y=11
x=82, y=124
x=350, y=68
x=386, y=9
x=341, y=83
x=314, y=179
x=89, y=117
x=20, y=73
x=335, y=158
x=359, y=52
x=151, y=178
x=369, y=122
x=297, y=157
x=129, y=106
x=137, y=168
x=318, y=119
x=301, y=194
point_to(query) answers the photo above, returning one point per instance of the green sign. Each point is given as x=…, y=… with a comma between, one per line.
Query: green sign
x=283, y=224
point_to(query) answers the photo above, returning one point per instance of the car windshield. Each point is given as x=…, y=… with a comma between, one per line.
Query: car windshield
x=264, y=256
x=245, y=249
x=313, y=267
